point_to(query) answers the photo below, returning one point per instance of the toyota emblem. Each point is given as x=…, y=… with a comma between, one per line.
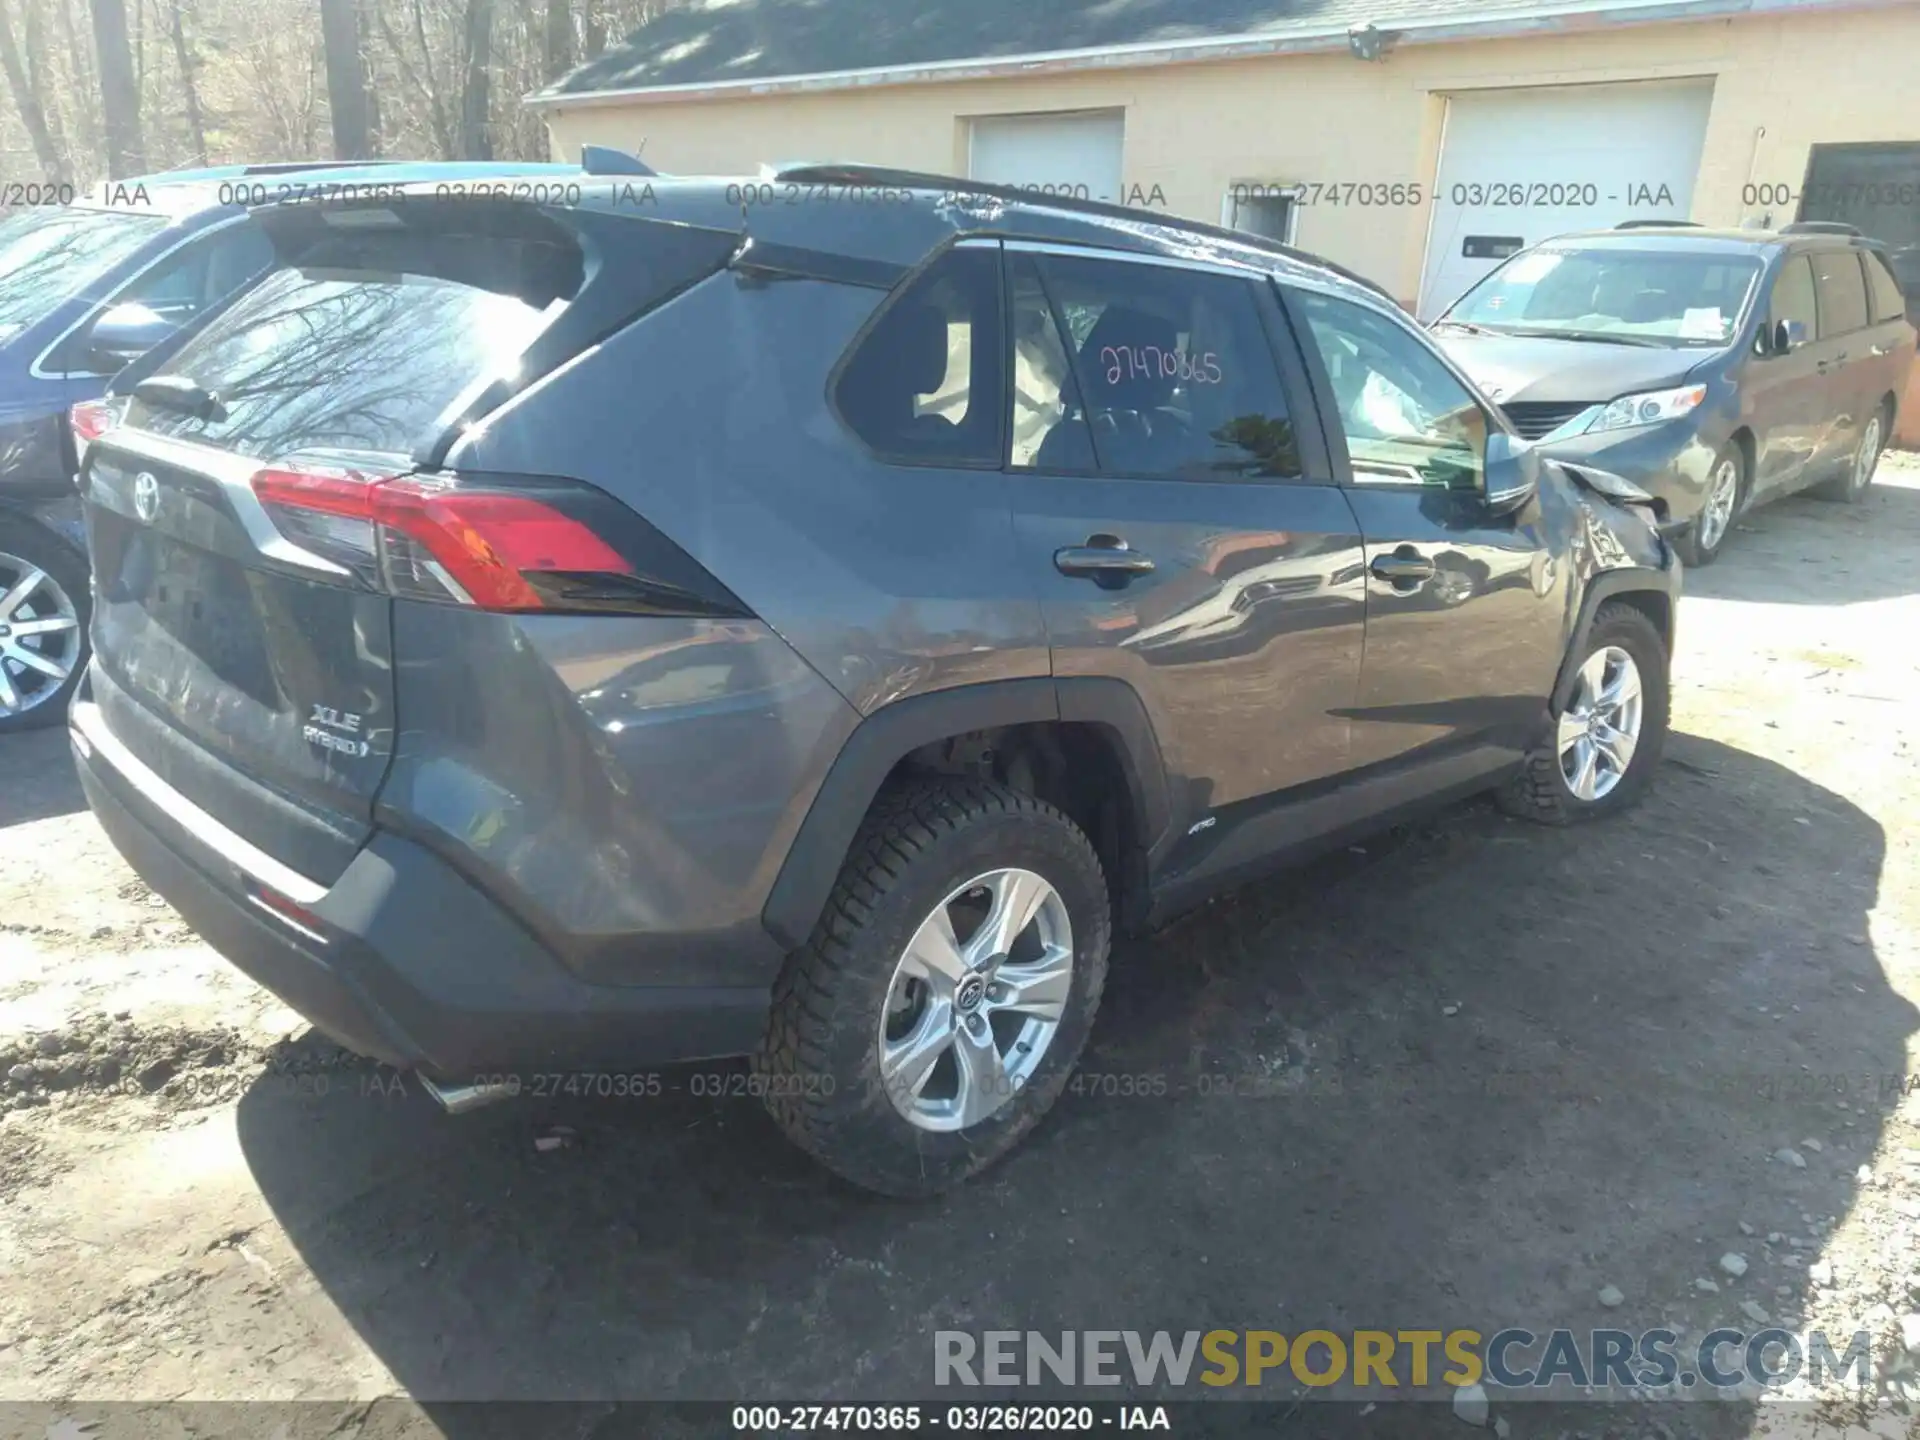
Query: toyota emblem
x=146, y=496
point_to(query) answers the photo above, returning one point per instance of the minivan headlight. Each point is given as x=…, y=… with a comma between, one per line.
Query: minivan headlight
x=1649, y=407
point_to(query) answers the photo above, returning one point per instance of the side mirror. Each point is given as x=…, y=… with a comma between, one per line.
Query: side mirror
x=123, y=334
x=1513, y=473
x=1788, y=336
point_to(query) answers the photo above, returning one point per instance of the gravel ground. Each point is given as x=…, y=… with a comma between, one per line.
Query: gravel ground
x=1470, y=1074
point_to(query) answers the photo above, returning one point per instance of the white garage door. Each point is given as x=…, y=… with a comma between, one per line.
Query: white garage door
x=1077, y=154
x=1518, y=166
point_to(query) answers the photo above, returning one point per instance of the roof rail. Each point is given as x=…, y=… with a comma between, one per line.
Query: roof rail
x=605, y=160
x=1818, y=227
x=289, y=167
x=1658, y=225
x=856, y=174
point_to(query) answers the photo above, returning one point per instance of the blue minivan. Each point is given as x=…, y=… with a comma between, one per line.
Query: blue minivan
x=85, y=287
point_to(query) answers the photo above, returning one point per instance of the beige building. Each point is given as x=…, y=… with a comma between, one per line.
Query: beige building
x=1415, y=141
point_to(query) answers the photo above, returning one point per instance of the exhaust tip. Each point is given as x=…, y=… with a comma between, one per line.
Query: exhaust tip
x=459, y=1099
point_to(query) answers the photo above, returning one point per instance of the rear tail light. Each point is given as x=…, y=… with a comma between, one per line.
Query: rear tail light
x=548, y=545
x=93, y=418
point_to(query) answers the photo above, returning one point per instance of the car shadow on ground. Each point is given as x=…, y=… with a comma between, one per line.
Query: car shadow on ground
x=41, y=782
x=1466, y=1075
x=1806, y=551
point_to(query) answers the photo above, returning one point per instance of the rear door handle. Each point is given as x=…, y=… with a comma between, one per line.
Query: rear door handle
x=1106, y=559
x=1402, y=569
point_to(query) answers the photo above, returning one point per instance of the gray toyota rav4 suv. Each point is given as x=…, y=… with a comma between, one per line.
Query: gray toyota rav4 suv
x=803, y=618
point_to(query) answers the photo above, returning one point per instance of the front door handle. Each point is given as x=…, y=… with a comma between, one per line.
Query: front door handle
x=1105, y=559
x=1402, y=569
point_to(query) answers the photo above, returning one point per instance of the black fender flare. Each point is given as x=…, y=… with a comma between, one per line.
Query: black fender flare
x=1610, y=585
x=887, y=736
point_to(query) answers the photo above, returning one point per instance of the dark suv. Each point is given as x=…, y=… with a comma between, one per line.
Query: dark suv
x=553, y=642
x=1715, y=368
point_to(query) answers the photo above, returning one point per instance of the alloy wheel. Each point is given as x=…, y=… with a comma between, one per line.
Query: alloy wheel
x=976, y=999
x=1867, y=456
x=39, y=636
x=1600, y=727
x=1722, y=494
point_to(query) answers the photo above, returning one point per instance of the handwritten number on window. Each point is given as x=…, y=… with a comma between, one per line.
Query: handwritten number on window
x=1130, y=362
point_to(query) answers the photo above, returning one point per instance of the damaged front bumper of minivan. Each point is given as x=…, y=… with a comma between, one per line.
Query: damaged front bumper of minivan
x=400, y=959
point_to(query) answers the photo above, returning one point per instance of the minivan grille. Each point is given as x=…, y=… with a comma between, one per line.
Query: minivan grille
x=1534, y=418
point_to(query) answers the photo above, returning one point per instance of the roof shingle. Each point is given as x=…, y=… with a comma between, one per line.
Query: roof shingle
x=729, y=40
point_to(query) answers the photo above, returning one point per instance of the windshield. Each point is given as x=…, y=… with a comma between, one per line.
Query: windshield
x=1635, y=297
x=49, y=253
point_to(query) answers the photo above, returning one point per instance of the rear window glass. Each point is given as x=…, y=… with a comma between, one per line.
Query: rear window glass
x=367, y=341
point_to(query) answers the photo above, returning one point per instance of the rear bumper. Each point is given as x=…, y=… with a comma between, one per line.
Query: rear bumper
x=404, y=961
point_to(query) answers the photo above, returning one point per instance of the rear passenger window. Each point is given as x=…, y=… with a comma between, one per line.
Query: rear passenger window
x=1842, y=290
x=1883, y=287
x=923, y=386
x=1168, y=373
x=1792, y=297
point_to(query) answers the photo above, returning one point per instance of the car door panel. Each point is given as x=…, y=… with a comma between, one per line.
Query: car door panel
x=1466, y=611
x=1244, y=638
x=1842, y=361
x=1890, y=341
x=1783, y=393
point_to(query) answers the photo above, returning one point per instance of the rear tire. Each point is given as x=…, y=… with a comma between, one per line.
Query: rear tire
x=829, y=1068
x=43, y=585
x=1555, y=788
x=1851, y=487
x=1726, y=498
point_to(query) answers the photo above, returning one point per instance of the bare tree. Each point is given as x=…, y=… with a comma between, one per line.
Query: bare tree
x=189, y=88
x=558, y=58
x=119, y=90
x=33, y=113
x=346, y=80
x=475, y=141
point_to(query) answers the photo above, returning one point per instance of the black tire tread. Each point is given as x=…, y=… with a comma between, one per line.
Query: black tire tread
x=906, y=821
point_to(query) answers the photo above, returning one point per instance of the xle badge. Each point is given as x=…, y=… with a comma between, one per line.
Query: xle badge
x=335, y=730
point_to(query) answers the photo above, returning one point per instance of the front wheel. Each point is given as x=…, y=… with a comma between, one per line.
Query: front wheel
x=1609, y=734
x=945, y=995
x=43, y=625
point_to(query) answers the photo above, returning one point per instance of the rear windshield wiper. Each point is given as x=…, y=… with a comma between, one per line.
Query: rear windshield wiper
x=178, y=392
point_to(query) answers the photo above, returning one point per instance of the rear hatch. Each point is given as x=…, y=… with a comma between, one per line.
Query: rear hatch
x=265, y=489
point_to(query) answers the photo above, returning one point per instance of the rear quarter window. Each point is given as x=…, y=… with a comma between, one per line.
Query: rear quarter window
x=1883, y=287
